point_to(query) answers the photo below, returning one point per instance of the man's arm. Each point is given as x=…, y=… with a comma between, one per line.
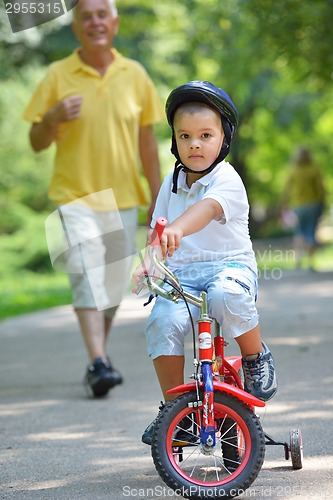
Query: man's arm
x=150, y=164
x=42, y=134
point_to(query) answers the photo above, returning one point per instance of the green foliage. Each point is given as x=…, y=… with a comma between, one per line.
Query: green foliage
x=274, y=58
x=26, y=248
x=24, y=176
x=299, y=34
x=13, y=216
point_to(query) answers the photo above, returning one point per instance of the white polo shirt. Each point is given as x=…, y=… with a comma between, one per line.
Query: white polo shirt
x=225, y=240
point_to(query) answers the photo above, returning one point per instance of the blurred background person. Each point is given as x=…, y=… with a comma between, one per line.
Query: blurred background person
x=302, y=202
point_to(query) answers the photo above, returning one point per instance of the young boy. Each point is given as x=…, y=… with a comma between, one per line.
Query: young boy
x=207, y=243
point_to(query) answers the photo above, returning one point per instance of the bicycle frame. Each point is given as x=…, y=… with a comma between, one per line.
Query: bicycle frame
x=218, y=372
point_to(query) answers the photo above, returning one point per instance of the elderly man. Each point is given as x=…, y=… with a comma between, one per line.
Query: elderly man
x=98, y=107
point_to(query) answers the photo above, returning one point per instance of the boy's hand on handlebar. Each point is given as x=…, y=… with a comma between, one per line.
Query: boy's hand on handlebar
x=170, y=240
x=169, y=243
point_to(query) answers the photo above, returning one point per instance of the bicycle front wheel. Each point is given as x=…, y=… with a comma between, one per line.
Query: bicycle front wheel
x=197, y=472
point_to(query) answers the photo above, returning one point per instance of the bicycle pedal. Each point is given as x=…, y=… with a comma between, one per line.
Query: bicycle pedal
x=183, y=442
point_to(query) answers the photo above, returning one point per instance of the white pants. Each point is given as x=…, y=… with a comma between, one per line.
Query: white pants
x=101, y=246
x=231, y=291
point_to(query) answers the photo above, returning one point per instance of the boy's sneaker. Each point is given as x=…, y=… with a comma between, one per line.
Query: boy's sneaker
x=183, y=434
x=101, y=377
x=259, y=374
x=147, y=436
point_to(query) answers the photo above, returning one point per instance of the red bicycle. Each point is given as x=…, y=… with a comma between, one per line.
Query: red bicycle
x=208, y=442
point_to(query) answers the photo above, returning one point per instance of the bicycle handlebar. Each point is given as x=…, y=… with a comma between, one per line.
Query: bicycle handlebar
x=160, y=225
x=148, y=278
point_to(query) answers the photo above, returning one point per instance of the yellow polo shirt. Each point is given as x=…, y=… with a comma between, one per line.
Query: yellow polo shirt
x=304, y=185
x=99, y=150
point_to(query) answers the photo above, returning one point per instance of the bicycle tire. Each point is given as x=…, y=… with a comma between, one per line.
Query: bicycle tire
x=230, y=444
x=296, y=449
x=199, y=475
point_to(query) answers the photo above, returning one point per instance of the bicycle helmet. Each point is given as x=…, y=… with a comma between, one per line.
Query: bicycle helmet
x=216, y=98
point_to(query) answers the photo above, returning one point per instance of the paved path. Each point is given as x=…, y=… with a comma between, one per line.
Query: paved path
x=56, y=443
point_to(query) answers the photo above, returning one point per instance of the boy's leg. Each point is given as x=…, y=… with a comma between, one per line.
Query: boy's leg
x=250, y=342
x=167, y=326
x=170, y=373
x=231, y=300
x=258, y=365
x=165, y=332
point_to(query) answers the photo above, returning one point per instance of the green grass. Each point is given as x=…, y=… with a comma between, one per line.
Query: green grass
x=27, y=292
x=279, y=255
x=323, y=260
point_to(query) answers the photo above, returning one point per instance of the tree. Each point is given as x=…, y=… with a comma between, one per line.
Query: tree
x=274, y=59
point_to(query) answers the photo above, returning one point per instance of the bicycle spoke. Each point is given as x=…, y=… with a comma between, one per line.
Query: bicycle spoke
x=239, y=445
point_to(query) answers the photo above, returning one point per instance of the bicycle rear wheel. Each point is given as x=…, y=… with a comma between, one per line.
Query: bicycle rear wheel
x=194, y=472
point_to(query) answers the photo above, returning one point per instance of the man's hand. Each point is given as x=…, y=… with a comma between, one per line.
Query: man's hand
x=43, y=133
x=66, y=110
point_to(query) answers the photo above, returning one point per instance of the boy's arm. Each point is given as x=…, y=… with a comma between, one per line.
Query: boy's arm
x=191, y=221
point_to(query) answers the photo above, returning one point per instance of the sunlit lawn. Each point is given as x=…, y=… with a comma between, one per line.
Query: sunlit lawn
x=26, y=292
x=272, y=255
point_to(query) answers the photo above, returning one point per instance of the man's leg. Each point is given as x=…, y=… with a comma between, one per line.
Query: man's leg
x=95, y=328
x=101, y=376
x=107, y=329
x=92, y=324
x=92, y=236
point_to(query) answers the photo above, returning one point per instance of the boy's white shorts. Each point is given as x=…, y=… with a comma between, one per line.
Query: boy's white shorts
x=231, y=291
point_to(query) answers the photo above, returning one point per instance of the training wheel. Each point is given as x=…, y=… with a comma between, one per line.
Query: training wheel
x=296, y=448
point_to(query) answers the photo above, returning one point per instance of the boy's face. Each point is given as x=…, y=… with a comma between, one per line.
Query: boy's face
x=199, y=137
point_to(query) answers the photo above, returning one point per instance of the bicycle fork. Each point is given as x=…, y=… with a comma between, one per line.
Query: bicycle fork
x=207, y=436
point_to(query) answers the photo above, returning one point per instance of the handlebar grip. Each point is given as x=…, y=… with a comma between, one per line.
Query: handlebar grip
x=161, y=223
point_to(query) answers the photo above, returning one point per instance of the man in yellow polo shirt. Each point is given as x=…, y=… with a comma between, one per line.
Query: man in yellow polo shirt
x=99, y=108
